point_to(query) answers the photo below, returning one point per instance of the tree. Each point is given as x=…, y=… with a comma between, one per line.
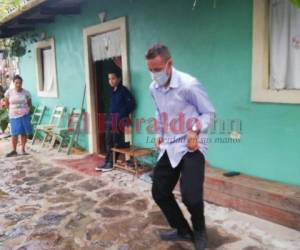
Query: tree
x=7, y=6
x=295, y=2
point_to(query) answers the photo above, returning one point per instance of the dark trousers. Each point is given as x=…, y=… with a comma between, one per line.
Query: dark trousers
x=112, y=139
x=191, y=173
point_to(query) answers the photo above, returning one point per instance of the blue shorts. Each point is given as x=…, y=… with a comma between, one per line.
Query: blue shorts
x=21, y=125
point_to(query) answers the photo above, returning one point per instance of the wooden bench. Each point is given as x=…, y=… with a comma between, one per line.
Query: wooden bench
x=132, y=152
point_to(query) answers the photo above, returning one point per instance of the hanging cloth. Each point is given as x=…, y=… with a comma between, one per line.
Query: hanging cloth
x=284, y=45
x=106, y=45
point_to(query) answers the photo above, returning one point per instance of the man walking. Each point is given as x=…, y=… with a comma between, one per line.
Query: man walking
x=179, y=96
x=121, y=105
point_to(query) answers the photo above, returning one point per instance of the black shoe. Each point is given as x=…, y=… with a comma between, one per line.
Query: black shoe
x=99, y=168
x=108, y=167
x=175, y=235
x=11, y=154
x=200, y=239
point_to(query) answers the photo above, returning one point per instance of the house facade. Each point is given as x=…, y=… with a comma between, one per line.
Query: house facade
x=224, y=44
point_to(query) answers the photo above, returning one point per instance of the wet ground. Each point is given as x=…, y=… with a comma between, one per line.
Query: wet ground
x=44, y=205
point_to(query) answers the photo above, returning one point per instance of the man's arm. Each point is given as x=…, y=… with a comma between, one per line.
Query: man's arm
x=159, y=126
x=130, y=101
x=197, y=96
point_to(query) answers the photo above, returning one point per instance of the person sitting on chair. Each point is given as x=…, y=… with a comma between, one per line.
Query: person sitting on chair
x=122, y=103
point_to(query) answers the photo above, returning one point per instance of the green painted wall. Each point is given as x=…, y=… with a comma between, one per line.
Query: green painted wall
x=214, y=44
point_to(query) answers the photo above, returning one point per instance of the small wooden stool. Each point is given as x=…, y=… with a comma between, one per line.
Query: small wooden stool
x=132, y=152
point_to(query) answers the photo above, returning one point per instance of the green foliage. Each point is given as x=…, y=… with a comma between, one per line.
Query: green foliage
x=17, y=45
x=32, y=108
x=17, y=49
x=4, y=119
x=295, y=2
x=7, y=6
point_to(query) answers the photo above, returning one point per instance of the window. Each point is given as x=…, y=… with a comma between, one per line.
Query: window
x=46, y=69
x=276, y=52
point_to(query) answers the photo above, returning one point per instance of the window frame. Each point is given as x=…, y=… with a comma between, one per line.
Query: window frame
x=260, y=90
x=40, y=46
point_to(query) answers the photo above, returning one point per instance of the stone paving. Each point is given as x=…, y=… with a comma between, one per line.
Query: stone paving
x=46, y=206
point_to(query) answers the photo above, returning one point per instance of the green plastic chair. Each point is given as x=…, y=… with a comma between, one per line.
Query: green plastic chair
x=70, y=134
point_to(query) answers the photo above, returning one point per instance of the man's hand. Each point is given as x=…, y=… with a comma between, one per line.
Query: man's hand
x=192, y=141
x=158, y=141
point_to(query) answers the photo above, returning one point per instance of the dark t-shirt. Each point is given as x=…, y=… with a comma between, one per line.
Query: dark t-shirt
x=122, y=103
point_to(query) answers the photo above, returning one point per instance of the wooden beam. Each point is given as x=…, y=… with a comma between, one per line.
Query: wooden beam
x=16, y=30
x=75, y=10
x=36, y=20
x=6, y=35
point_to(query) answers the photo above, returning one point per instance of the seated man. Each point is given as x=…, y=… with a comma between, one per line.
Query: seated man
x=122, y=104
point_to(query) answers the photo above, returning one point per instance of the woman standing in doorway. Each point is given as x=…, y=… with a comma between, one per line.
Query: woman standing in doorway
x=18, y=101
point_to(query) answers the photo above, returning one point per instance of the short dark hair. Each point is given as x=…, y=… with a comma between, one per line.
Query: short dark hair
x=18, y=77
x=158, y=49
x=117, y=73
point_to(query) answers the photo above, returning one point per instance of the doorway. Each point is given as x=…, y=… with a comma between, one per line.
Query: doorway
x=102, y=93
x=111, y=43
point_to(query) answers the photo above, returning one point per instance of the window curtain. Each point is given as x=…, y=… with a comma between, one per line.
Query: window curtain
x=284, y=45
x=48, y=70
x=106, y=45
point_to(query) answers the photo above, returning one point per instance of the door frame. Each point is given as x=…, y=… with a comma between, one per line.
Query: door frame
x=119, y=23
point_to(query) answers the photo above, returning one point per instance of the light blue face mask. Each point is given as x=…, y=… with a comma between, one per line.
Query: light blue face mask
x=160, y=77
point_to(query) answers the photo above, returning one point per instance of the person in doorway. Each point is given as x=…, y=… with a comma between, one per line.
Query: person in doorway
x=182, y=151
x=122, y=103
x=18, y=101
